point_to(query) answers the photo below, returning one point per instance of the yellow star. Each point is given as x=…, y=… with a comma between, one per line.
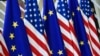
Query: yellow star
x=81, y=43
x=45, y=17
x=13, y=48
x=60, y=52
x=50, y=12
x=15, y=24
x=73, y=14
x=11, y=35
x=51, y=52
x=78, y=8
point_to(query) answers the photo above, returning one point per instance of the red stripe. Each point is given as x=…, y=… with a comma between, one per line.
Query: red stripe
x=92, y=38
x=1, y=54
x=72, y=29
x=35, y=51
x=4, y=50
x=68, y=41
x=95, y=42
x=34, y=37
x=74, y=45
x=86, y=24
x=66, y=38
x=69, y=53
x=92, y=17
x=64, y=26
x=95, y=53
x=93, y=29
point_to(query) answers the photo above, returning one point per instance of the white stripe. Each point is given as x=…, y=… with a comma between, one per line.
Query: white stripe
x=66, y=33
x=71, y=22
x=1, y=51
x=94, y=36
x=39, y=36
x=33, y=54
x=3, y=41
x=89, y=41
x=89, y=31
x=36, y=46
x=61, y=18
x=68, y=46
x=74, y=38
x=84, y=16
x=22, y=9
x=96, y=48
x=92, y=22
x=33, y=30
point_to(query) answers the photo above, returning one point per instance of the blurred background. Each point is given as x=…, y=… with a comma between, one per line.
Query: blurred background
x=96, y=4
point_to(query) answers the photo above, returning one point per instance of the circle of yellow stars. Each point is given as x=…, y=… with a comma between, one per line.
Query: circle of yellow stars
x=82, y=43
x=50, y=14
x=12, y=36
x=60, y=52
x=13, y=48
x=15, y=24
x=45, y=17
x=78, y=8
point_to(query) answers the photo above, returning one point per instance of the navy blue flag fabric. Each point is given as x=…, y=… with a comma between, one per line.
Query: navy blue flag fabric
x=52, y=29
x=14, y=31
x=79, y=28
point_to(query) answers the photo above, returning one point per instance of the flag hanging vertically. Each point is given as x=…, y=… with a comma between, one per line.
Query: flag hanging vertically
x=3, y=47
x=67, y=29
x=52, y=29
x=79, y=28
x=35, y=29
x=90, y=24
x=14, y=31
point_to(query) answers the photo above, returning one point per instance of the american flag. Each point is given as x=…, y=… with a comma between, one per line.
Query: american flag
x=67, y=28
x=89, y=22
x=35, y=29
x=3, y=47
x=80, y=29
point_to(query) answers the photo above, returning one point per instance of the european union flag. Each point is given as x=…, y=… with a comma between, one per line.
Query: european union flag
x=79, y=28
x=52, y=29
x=14, y=31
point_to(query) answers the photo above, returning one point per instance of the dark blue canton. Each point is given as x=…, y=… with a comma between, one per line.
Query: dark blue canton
x=86, y=7
x=32, y=14
x=63, y=9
